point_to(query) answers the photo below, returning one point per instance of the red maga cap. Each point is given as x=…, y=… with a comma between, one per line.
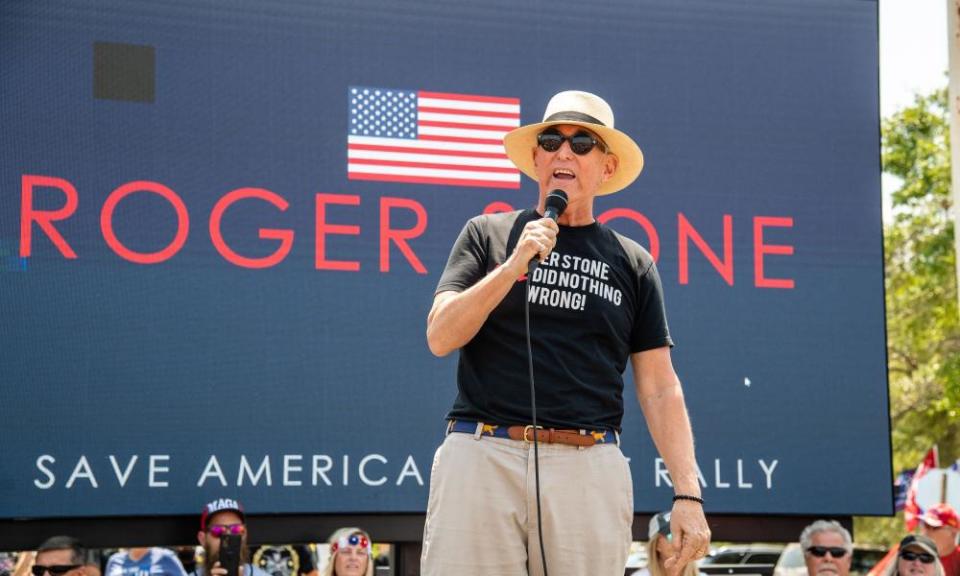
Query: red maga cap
x=219, y=505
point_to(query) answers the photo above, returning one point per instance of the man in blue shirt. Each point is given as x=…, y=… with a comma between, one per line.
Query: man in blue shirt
x=144, y=562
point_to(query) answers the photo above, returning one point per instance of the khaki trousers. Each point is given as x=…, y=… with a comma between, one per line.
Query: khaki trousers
x=482, y=518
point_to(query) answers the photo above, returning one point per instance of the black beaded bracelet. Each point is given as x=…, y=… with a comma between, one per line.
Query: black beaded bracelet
x=690, y=498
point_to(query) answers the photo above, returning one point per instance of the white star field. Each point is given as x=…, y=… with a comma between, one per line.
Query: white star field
x=383, y=113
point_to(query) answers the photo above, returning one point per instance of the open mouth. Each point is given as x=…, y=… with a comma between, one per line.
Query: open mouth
x=563, y=174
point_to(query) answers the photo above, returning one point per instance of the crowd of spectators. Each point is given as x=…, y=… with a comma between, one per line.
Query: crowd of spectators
x=827, y=551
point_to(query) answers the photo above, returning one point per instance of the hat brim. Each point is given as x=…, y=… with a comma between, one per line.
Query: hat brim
x=520, y=142
x=923, y=547
x=922, y=542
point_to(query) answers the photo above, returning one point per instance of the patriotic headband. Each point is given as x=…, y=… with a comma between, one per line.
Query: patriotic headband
x=357, y=540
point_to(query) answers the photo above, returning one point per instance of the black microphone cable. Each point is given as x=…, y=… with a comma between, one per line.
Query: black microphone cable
x=533, y=414
x=554, y=205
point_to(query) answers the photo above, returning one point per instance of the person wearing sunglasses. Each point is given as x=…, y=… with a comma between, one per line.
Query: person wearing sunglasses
x=660, y=547
x=595, y=304
x=219, y=518
x=827, y=548
x=917, y=556
x=60, y=556
x=940, y=524
x=351, y=553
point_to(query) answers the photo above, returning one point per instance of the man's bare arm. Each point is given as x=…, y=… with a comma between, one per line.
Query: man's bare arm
x=456, y=317
x=661, y=399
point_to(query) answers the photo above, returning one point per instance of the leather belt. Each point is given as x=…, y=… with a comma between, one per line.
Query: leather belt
x=583, y=439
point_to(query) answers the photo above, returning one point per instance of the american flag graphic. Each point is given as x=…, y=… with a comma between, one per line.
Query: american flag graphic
x=430, y=137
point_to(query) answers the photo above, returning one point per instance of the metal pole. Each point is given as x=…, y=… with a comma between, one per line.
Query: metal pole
x=953, y=105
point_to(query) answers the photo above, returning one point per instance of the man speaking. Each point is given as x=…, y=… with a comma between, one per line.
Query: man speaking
x=595, y=300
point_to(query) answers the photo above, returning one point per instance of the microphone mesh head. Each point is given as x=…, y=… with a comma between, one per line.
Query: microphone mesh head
x=556, y=201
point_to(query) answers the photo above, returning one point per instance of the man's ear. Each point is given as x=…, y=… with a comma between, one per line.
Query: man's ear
x=610, y=164
x=202, y=538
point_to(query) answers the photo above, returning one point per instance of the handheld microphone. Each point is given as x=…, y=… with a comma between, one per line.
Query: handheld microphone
x=555, y=205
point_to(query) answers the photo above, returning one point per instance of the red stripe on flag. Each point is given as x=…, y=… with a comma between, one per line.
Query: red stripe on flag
x=462, y=125
x=459, y=139
x=434, y=151
x=468, y=97
x=469, y=112
x=464, y=167
x=430, y=180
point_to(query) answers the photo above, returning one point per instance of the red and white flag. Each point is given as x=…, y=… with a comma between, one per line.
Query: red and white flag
x=911, y=509
x=430, y=137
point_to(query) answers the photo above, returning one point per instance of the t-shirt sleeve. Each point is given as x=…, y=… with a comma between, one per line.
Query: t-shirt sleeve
x=467, y=262
x=650, y=323
x=114, y=565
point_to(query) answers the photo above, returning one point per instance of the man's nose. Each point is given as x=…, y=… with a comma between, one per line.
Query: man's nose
x=565, y=150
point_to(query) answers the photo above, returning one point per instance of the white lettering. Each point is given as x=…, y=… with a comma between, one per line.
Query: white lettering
x=263, y=470
x=122, y=478
x=533, y=291
x=716, y=478
x=362, y=472
x=321, y=471
x=346, y=469
x=82, y=470
x=660, y=471
x=594, y=268
x=288, y=468
x=768, y=472
x=155, y=469
x=410, y=469
x=740, y=482
x=212, y=469
x=51, y=478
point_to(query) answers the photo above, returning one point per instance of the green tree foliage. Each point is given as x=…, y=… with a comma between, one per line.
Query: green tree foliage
x=923, y=329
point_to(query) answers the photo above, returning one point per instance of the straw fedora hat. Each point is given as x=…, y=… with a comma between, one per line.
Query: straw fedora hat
x=577, y=108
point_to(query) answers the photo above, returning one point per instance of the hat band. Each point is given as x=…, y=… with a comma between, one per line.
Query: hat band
x=573, y=116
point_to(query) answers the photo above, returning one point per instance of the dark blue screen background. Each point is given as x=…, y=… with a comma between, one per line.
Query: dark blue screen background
x=760, y=109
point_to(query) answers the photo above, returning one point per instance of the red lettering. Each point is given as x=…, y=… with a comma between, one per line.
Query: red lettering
x=44, y=218
x=284, y=236
x=106, y=222
x=400, y=237
x=760, y=249
x=497, y=207
x=640, y=219
x=685, y=231
x=320, y=258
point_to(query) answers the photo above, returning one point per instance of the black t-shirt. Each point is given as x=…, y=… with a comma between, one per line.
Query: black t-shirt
x=593, y=302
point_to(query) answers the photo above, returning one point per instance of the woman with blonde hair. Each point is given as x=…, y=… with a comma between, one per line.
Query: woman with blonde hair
x=660, y=547
x=917, y=556
x=351, y=553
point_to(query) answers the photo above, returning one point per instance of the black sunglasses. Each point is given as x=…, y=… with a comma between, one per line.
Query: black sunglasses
x=581, y=143
x=821, y=551
x=921, y=556
x=56, y=570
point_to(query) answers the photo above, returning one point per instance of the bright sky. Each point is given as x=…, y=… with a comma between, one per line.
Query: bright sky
x=913, y=58
x=913, y=50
